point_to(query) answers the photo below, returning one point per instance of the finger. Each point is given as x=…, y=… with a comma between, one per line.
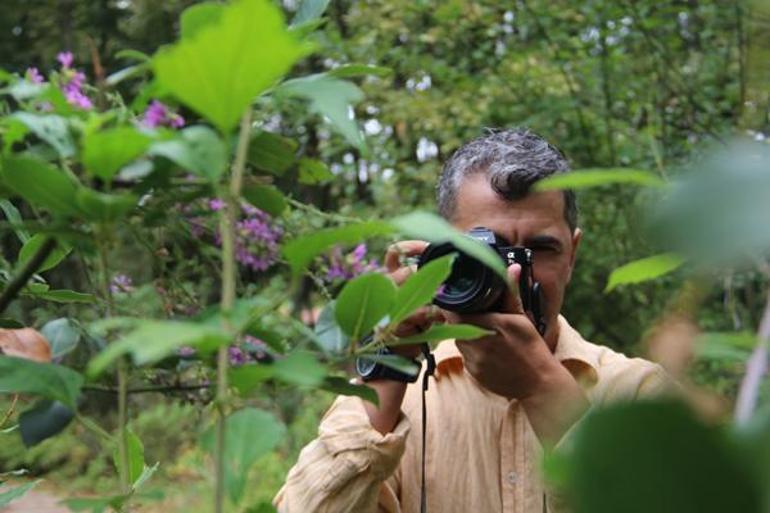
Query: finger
x=402, y=248
x=511, y=302
x=422, y=319
x=400, y=275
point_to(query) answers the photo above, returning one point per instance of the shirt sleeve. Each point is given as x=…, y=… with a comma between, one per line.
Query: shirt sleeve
x=347, y=467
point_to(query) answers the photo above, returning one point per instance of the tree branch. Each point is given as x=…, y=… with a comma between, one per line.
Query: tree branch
x=30, y=268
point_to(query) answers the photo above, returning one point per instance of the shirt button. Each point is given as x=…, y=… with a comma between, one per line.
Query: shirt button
x=512, y=477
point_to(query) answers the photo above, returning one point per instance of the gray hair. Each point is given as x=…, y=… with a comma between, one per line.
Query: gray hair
x=513, y=160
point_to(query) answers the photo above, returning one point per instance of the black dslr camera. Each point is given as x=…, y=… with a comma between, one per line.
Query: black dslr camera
x=472, y=287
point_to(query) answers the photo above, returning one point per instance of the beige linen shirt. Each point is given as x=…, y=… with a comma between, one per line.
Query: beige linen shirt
x=482, y=454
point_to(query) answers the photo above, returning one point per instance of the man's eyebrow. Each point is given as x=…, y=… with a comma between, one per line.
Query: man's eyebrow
x=543, y=240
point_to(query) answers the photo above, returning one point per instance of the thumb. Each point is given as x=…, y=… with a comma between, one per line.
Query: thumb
x=511, y=299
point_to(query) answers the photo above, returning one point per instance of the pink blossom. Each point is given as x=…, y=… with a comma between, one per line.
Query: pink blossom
x=34, y=76
x=158, y=114
x=65, y=59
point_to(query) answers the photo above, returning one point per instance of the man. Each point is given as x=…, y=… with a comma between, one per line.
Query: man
x=495, y=401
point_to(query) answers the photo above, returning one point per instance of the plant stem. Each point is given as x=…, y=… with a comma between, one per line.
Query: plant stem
x=10, y=411
x=228, y=219
x=756, y=368
x=144, y=390
x=102, y=239
x=21, y=279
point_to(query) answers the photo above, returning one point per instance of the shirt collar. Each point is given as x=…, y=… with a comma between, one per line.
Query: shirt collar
x=580, y=357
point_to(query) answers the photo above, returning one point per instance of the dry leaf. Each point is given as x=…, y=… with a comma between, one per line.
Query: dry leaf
x=25, y=343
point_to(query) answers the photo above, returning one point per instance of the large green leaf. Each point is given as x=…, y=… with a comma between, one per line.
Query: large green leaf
x=44, y=420
x=246, y=378
x=584, y=178
x=64, y=296
x=100, y=207
x=150, y=341
x=343, y=386
x=312, y=171
x=301, y=251
x=197, y=149
x=249, y=434
x=199, y=16
x=14, y=218
x=441, y=332
x=33, y=245
x=223, y=66
x=52, y=129
x=272, y=153
x=135, y=455
x=432, y=228
x=299, y=368
x=420, y=288
x=332, y=98
x=642, y=457
x=363, y=302
x=105, y=152
x=18, y=375
x=41, y=184
x=644, y=269
x=309, y=10
x=265, y=197
x=8, y=496
x=728, y=346
x=329, y=334
x=62, y=335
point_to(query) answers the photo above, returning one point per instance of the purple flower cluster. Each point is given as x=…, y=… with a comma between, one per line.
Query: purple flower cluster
x=121, y=284
x=257, y=236
x=72, y=82
x=158, y=114
x=341, y=266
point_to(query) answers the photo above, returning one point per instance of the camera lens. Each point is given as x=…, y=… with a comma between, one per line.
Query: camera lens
x=465, y=275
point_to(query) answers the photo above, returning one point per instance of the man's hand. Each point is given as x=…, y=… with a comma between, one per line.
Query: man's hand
x=516, y=363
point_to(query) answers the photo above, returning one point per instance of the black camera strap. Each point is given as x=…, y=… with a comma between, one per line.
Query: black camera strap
x=430, y=370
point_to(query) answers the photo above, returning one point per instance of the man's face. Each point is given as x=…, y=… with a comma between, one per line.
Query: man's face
x=537, y=222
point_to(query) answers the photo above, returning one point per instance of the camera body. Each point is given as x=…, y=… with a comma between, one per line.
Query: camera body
x=472, y=287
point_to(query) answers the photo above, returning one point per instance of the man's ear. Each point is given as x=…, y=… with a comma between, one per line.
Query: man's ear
x=577, y=236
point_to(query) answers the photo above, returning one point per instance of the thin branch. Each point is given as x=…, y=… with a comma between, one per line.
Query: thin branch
x=10, y=411
x=756, y=369
x=148, y=389
x=30, y=268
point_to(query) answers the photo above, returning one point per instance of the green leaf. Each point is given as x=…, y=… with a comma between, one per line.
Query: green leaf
x=332, y=98
x=644, y=269
x=104, y=208
x=729, y=346
x=312, y=171
x=362, y=302
x=44, y=420
x=15, y=219
x=419, y=288
x=151, y=341
x=657, y=456
x=105, y=152
x=18, y=375
x=119, y=76
x=394, y=361
x=441, y=332
x=247, y=378
x=309, y=10
x=200, y=16
x=329, y=334
x=133, y=55
x=299, y=368
x=15, y=493
x=219, y=70
x=135, y=456
x=197, y=149
x=432, y=228
x=41, y=184
x=62, y=335
x=249, y=434
x=31, y=247
x=266, y=198
x=358, y=70
x=272, y=153
x=301, y=251
x=340, y=385
x=585, y=178
x=96, y=504
x=52, y=129
x=64, y=296
x=15, y=131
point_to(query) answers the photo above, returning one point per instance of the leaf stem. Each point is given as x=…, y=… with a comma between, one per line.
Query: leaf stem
x=30, y=267
x=227, y=223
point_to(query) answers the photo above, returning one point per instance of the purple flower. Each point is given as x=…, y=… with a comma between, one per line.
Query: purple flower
x=65, y=59
x=237, y=356
x=121, y=284
x=216, y=204
x=346, y=267
x=186, y=351
x=34, y=76
x=158, y=114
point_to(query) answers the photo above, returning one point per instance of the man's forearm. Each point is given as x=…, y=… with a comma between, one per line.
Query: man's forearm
x=391, y=394
x=555, y=406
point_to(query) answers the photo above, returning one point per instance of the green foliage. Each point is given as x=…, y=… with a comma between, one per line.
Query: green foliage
x=228, y=62
x=272, y=153
x=105, y=152
x=41, y=184
x=265, y=197
x=583, y=178
x=135, y=451
x=197, y=149
x=11, y=495
x=250, y=433
x=644, y=269
x=51, y=381
x=62, y=335
x=420, y=288
x=44, y=420
x=362, y=303
x=32, y=245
